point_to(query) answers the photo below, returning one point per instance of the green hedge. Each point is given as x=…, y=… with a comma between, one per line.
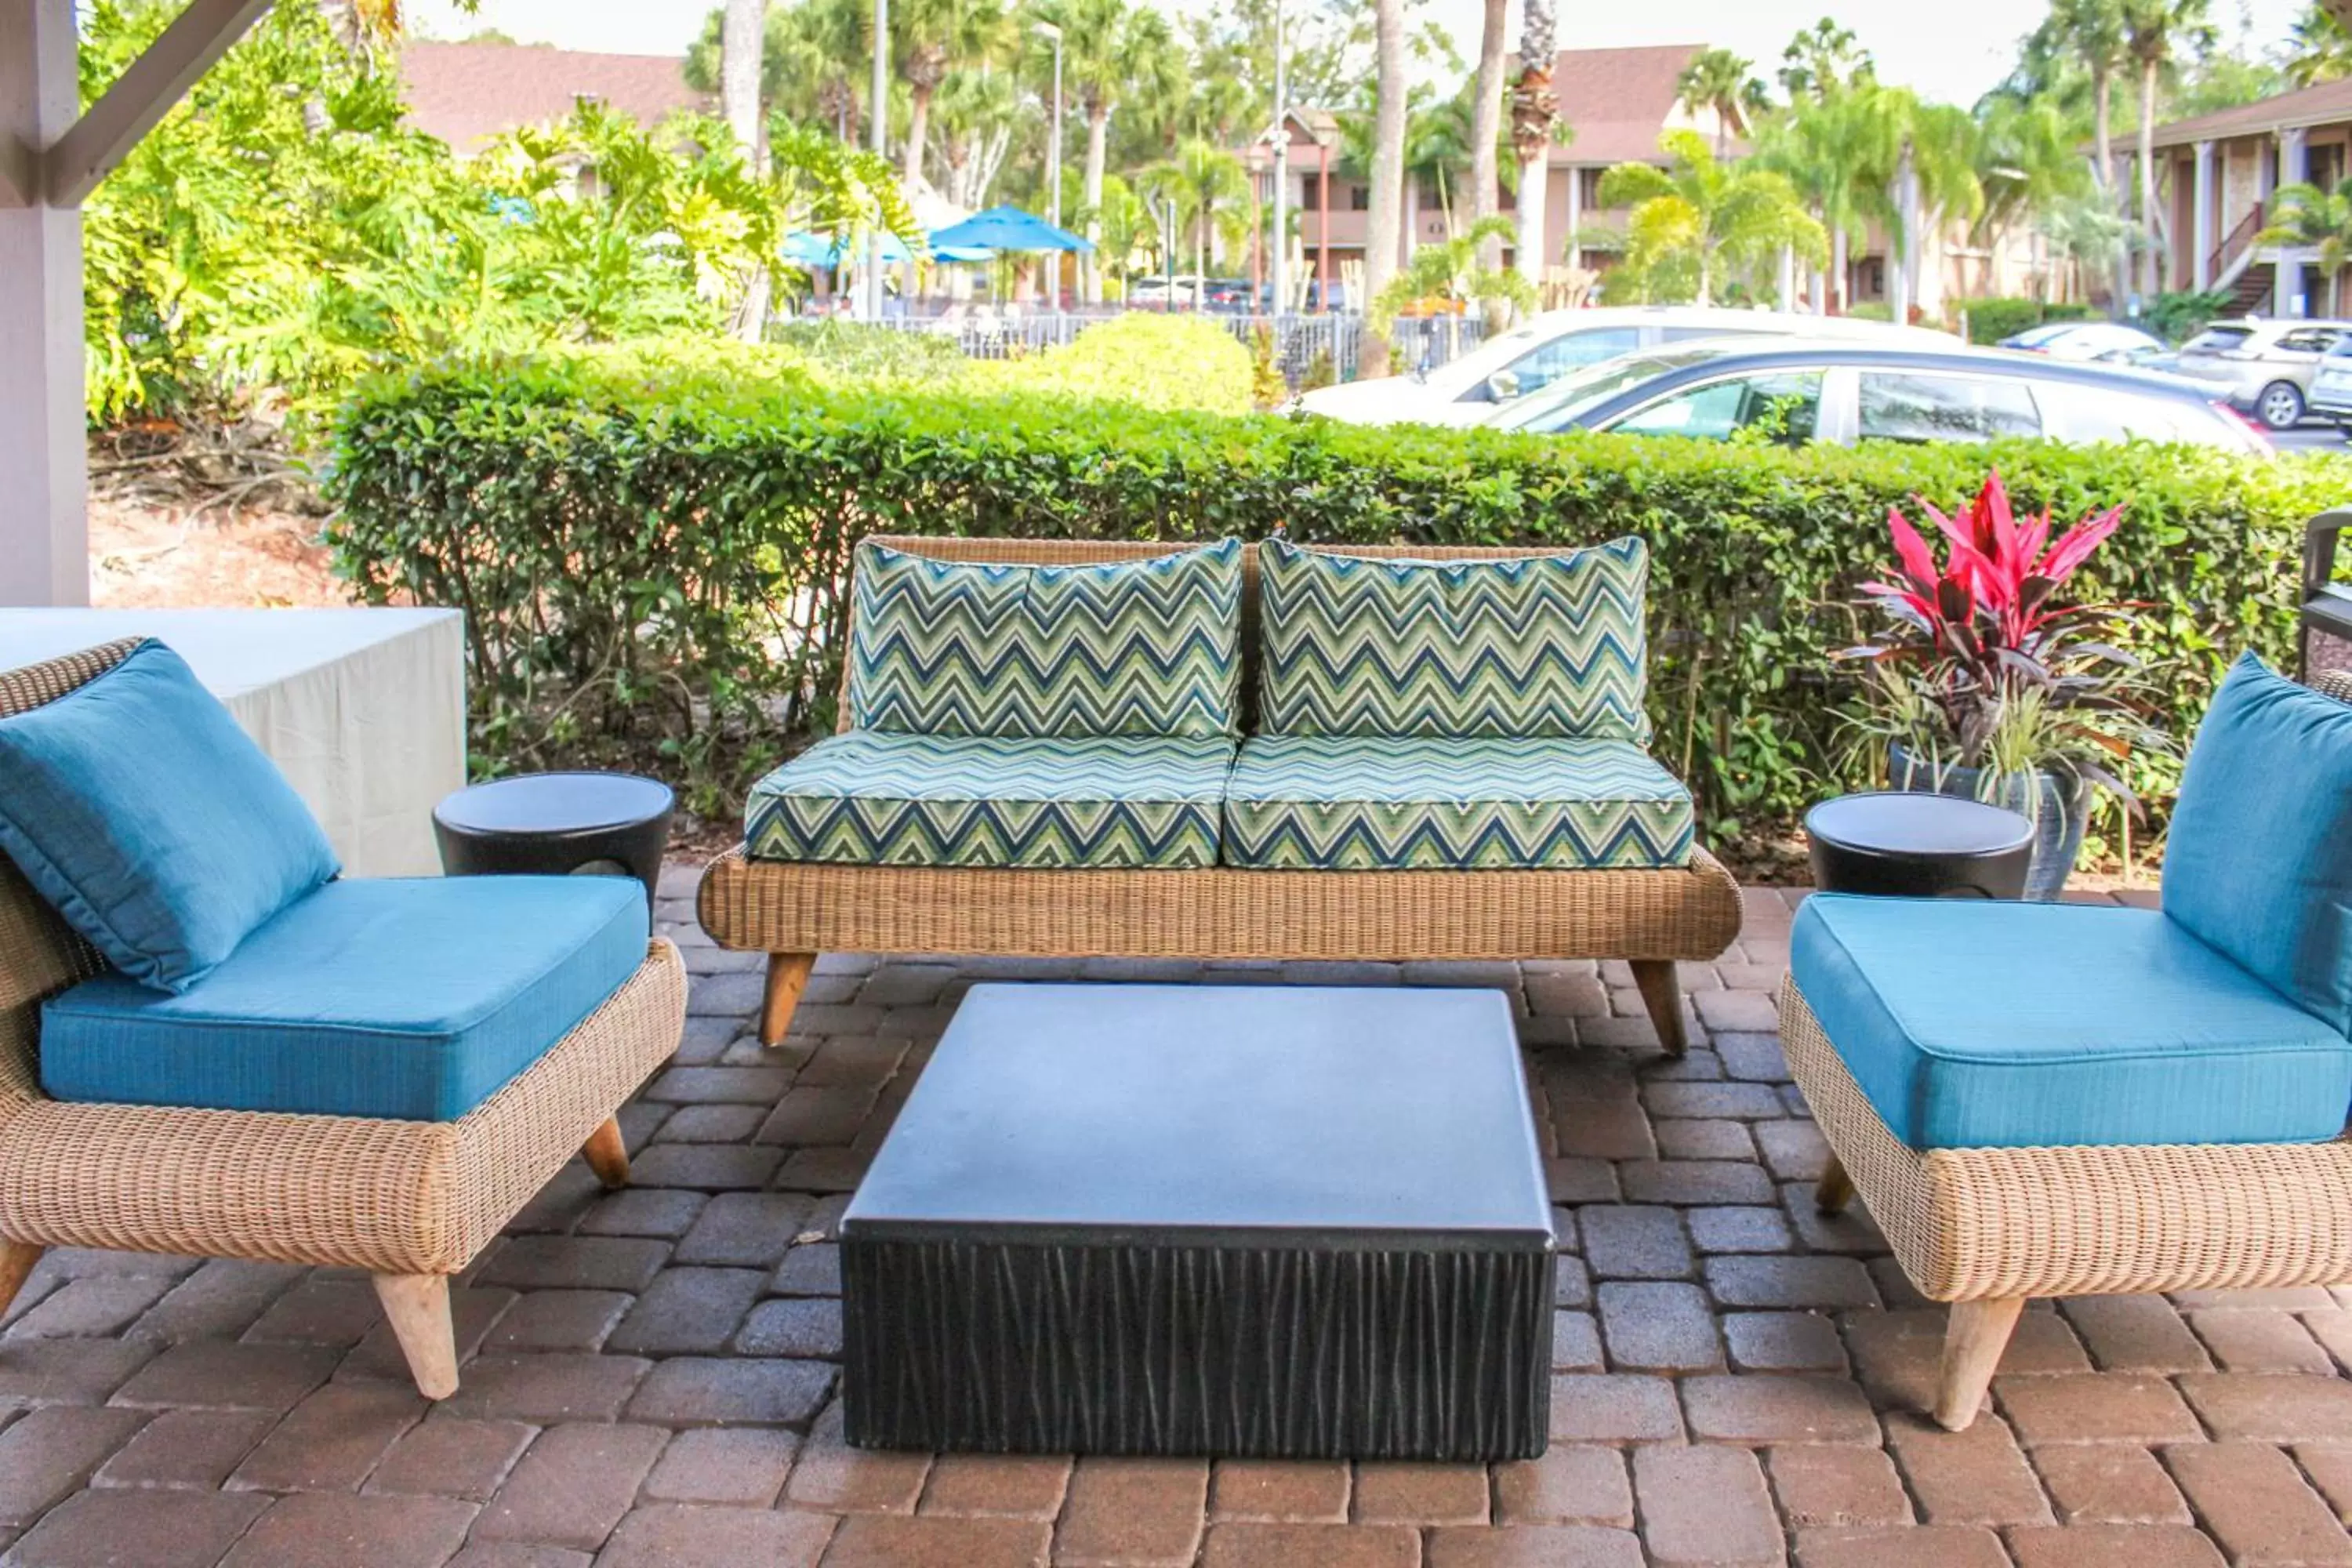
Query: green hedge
x=1989, y=321
x=653, y=569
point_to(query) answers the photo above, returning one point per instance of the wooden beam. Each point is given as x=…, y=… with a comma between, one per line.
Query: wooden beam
x=143, y=94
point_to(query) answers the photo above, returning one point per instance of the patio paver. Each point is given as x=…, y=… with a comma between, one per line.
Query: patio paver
x=651, y=1375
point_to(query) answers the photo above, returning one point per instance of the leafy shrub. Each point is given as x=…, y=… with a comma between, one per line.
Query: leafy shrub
x=1871, y=310
x=1142, y=359
x=861, y=350
x=1989, y=321
x=654, y=570
x=2182, y=313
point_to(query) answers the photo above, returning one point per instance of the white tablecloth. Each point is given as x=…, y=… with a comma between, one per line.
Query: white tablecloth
x=364, y=710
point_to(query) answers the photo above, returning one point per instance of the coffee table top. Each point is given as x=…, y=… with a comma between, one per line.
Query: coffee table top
x=1297, y=1115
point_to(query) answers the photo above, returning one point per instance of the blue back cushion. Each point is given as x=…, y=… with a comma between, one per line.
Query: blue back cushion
x=136, y=806
x=2259, y=863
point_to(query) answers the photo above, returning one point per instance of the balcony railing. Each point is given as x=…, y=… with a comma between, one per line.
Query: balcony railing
x=2235, y=244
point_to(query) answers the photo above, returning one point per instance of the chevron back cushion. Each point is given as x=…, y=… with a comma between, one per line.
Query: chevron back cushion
x=1379, y=803
x=873, y=798
x=1139, y=648
x=1535, y=646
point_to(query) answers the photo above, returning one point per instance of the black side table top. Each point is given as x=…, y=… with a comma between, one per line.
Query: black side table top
x=1910, y=823
x=1178, y=1114
x=554, y=804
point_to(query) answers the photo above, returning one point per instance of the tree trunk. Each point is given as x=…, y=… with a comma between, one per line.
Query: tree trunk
x=1907, y=235
x=918, y=125
x=739, y=46
x=1383, y=228
x=1535, y=112
x=1487, y=128
x=2151, y=274
x=1098, y=137
x=1409, y=227
x=1841, y=272
x=2103, y=147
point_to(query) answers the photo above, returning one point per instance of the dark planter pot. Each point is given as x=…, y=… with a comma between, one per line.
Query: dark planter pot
x=2064, y=812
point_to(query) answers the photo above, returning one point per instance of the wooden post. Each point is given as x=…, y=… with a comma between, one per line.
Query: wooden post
x=788, y=975
x=1978, y=1332
x=1662, y=998
x=418, y=1308
x=43, y=523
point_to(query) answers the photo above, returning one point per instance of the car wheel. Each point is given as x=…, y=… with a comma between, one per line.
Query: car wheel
x=2280, y=406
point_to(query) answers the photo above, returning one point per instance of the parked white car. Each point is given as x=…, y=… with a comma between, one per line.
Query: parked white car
x=2266, y=367
x=1465, y=391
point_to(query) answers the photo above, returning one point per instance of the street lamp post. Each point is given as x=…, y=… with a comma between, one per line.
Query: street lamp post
x=1281, y=168
x=881, y=114
x=1053, y=153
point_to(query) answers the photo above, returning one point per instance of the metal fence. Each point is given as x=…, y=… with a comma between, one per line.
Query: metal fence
x=1299, y=341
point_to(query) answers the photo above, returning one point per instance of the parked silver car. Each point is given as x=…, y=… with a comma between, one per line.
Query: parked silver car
x=2265, y=368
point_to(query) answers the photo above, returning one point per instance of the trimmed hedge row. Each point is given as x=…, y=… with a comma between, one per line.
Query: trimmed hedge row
x=652, y=567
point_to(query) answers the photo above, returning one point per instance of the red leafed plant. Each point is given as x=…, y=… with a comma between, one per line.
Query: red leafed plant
x=1985, y=666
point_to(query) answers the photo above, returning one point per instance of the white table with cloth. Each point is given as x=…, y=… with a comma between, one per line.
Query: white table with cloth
x=364, y=710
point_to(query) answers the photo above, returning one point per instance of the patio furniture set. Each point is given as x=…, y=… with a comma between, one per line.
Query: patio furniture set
x=1152, y=1219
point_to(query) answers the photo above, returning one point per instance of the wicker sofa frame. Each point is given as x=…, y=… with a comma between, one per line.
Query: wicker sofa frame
x=410, y=1202
x=792, y=910
x=1989, y=1229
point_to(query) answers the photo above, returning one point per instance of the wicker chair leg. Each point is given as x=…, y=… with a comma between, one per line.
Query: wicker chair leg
x=607, y=1155
x=418, y=1308
x=1978, y=1332
x=17, y=1261
x=788, y=975
x=1662, y=995
x=1834, y=1190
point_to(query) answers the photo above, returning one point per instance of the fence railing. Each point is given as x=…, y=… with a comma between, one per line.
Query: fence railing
x=1300, y=340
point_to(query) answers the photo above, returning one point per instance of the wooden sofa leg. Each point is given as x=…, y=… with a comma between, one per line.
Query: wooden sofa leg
x=1978, y=1332
x=418, y=1308
x=788, y=975
x=607, y=1155
x=17, y=1261
x=1662, y=995
x=1834, y=1190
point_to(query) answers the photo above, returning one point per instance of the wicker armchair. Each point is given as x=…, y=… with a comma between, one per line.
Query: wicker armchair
x=792, y=910
x=1987, y=1229
x=411, y=1202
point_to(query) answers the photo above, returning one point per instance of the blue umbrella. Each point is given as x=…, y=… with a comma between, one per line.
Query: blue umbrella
x=1007, y=228
x=960, y=252
x=804, y=249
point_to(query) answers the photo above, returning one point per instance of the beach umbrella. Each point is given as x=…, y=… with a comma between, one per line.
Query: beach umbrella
x=1007, y=228
x=806, y=248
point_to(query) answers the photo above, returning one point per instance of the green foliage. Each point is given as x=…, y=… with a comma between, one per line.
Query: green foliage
x=1695, y=223
x=654, y=568
x=281, y=233
x=861, y=350
x=1144, y=360
x=1267, y=389
x=2181, y=314
x=1449, y=271
x=1989, y=321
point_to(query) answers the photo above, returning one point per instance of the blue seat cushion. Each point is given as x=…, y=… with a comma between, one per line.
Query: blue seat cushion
x=136, y=806
x=1999, y=1025
x=2258, y=861
x=413, y=999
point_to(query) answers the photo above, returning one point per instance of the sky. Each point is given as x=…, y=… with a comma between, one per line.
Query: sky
x=1950, y=51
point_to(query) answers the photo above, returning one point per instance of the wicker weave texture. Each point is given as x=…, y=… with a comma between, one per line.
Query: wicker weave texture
x=775, y=905
x=2335, y=683
x=1970, y=1223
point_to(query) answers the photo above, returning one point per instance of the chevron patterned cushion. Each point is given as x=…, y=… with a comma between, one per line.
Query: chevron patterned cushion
x=869, y=797
x=1136, y=647
x=1536, y=646
x=1368, y=803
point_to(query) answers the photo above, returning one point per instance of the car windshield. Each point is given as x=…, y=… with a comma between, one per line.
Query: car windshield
x=1557, y=406
x=2213, y=339
x=2049, y=332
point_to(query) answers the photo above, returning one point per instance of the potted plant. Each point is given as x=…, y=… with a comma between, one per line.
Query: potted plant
x=1984, y=683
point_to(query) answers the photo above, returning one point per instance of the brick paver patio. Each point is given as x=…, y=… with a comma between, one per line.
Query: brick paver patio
x=649, y=1377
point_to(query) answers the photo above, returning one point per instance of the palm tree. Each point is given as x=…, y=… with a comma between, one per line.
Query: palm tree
x=1706, y=217
x=741, y=44
x=2028, y=164
x=2153, y=30
x=933, y=36
x=1114, y=51
x=1384, y=226
x=1822, y=145
x=1210, y=187
x=1823, y=62
x=1535, y=122
x=1926, y=154
x=1487, y=126
x=1437, y=148
x=1718, y=79
x=2321, y=47
x=2306, y=216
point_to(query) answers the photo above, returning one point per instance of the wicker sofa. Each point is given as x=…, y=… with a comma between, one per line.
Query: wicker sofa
x=794, y=909
x=412, y=1202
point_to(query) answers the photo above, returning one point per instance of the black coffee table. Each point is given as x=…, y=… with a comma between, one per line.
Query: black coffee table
x=1187, y=1219
x=1912, y=844
x=556, y=825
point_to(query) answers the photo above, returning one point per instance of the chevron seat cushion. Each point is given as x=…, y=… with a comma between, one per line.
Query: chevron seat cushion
x=1136, y=647
x=1366, y=803
x=871, y=797
x=1542, y=646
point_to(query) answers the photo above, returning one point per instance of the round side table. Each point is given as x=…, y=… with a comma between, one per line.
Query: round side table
x=1918, y=846
x=557, y=824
